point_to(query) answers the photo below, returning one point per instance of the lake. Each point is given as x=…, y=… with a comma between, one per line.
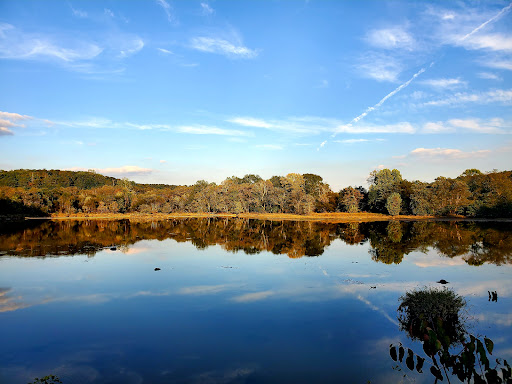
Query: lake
x=236, y=300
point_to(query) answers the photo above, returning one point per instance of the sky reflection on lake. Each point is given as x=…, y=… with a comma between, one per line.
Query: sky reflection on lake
x=215, y=315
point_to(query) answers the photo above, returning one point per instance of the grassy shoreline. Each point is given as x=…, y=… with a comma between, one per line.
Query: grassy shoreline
x=338, y=217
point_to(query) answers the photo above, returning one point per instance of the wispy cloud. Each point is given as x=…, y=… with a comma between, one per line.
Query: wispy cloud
x=15, y=44
x=208, y=130
x=493, y=42
x=497, y=64
x=168, y=11
x=166, y=51
x=390, y=38
x=222, y=47
x=354, y=141
x=379, y=67
x=403, y=127
x=495, y=125
x=490, y=126
x=447, y=153
x=131, y=47
x=490, y=75
x=250, y=122
x=98, y=56
x=502, y=96
x=206, y=9
x=444, y=83
x=79, y=13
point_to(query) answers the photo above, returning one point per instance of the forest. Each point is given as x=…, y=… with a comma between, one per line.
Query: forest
x=49, y=192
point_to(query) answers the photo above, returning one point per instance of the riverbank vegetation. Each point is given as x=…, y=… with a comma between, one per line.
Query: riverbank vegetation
x=64, y=193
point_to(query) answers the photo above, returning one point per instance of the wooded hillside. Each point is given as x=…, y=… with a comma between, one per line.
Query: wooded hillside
x=42, y=192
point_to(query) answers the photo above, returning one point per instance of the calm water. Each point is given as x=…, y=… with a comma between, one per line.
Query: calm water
x=235, y=300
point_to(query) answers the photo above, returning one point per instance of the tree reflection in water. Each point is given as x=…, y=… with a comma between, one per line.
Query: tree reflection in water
x=435, y=317
x=388, y=242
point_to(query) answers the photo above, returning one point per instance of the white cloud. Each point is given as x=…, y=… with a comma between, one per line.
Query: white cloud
x=168, y=11
x=14, y=116
x=447, y=153
x=166, y=51
x=9, y=120
x=163, y=161
x=495, y=125
x=250, y=122
x=379, y=67
x=79, y=13
x=108, y=12
x=208, y=130
x=17, y=45
x=131, y=47
x=436, y=127
x=498, y=64
x=493, y=42
x=489, y=76
x=503, y=96
x=390, y=38
x=65, y=49
x=223, y=47
x=403, y=127
x=206, y=9
x=444, y=83
x=491, y=126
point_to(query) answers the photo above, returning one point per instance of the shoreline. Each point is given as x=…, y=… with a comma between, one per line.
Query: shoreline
x=334, y=217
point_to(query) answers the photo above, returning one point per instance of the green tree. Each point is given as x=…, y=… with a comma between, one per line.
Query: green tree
x=382, y=184
x=393, y=204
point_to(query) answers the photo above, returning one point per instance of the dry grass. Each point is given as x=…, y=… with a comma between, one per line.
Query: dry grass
x=339, y=217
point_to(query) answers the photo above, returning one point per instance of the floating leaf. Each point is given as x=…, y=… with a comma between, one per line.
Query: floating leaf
x=419, y=364
x=392, y=352
x=436, y=372
x=489, y=344
x=410, y=360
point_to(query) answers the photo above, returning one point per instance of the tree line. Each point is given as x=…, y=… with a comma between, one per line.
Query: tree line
x=472, y=194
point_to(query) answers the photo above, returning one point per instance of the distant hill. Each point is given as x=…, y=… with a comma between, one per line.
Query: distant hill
x=49, y=179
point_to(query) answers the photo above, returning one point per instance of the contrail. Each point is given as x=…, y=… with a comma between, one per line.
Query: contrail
x=382, y=101
x=500, y=13
x=370, y=109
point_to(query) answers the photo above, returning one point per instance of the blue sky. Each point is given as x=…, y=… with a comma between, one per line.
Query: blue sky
x=172, y=92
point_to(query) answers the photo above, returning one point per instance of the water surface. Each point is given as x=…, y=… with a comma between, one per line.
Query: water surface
x=235, y=300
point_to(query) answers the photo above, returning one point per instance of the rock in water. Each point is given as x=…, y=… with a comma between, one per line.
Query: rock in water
x=443, y=281
x=157, y=269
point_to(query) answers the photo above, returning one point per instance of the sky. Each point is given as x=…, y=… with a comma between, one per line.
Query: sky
x=168, y=91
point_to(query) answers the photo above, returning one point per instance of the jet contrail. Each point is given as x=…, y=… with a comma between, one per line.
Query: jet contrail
x=382, y=101
x=370, y=109
x=500, y=13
